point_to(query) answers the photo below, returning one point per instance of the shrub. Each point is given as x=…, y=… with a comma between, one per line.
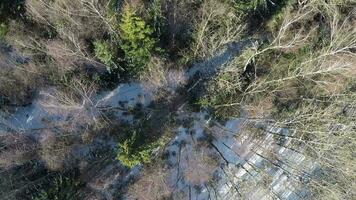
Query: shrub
x=16, y=84
x=62, y=187
x=105, y=54
x=3, y=30
x=131, y=153
x=156, y=17
x=136, y=41
x=179, y=18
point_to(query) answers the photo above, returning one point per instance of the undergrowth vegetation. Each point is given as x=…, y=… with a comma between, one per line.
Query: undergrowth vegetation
x=134, y=150
x=62, y=186
x=299, y=73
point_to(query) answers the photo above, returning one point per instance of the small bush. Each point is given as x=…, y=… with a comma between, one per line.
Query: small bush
x=62, y=187
x=130, y=154
x=3, y=30
x=105, y=54
x=156, y=17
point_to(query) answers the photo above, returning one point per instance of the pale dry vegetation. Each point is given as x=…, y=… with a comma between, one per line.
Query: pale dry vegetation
x=299, y=76
x=200, y=166
x=17, y=80
x=303, y=79
x=16, y=149
x=216, y=25
x=151, y=185
x=162, y=80
x=54, y=48
x=328, y=137
x=55, y=149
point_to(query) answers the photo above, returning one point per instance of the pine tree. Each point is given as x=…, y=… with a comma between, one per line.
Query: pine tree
x=136, y=41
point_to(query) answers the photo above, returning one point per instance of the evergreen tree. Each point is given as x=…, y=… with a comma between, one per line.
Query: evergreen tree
x=136, y=41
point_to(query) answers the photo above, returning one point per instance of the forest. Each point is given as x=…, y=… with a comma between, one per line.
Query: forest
x=177, y=99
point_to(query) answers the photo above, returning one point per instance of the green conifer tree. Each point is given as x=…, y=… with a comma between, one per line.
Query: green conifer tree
x=136, y=41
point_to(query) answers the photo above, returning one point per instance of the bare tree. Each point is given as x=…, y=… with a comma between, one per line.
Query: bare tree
x=217, y=25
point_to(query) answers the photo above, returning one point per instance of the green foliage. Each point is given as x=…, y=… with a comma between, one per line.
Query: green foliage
x=3, y=30
x=136, y=41
x=156, y=17
x=131, y=153
x=63, y=187
x=105, y=54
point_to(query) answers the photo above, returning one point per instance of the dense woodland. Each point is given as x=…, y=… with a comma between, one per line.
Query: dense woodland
x=285, y=68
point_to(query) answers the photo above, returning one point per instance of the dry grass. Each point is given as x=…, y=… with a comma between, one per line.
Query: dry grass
x=64, y=56
x=17, y=82
x=200, y=167
x=16, y=149
x=161, y=79
x=261, y=109
x=152, y=185
x=55, y=149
